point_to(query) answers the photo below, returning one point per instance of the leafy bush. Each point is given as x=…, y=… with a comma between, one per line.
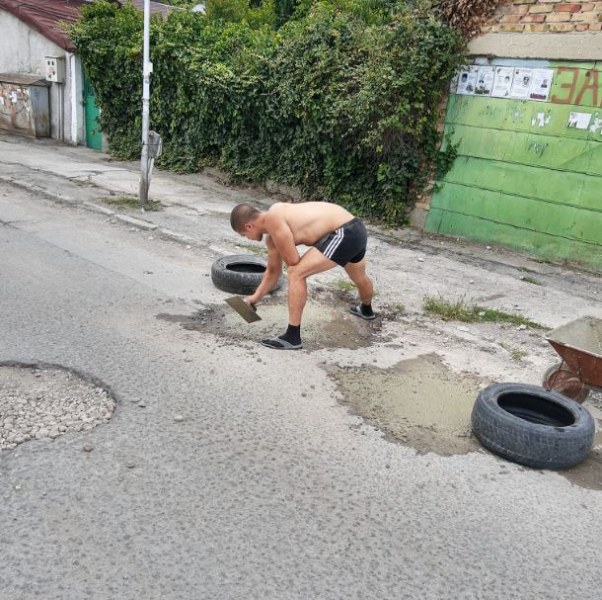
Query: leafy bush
x=109, y=41
x=341, y=100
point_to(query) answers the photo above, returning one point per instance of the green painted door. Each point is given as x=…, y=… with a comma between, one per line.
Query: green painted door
x=91, y=114
x=528, y=173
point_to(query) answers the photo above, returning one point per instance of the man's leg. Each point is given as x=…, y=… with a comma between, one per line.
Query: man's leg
x=357, y=274
x=311, y=263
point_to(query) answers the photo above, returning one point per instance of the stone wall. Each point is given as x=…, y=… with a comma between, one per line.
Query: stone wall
x=541, y=16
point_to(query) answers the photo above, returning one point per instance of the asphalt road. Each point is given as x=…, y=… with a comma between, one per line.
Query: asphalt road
x=242, y=476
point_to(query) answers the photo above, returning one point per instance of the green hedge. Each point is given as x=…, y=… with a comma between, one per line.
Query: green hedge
x=342, y=99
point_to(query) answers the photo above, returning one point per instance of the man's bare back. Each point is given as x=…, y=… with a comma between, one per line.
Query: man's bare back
x=307, y=221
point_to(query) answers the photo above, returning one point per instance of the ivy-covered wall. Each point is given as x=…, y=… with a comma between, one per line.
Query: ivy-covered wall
x=341, y=99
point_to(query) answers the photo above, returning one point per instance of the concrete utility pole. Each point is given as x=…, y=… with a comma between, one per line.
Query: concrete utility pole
x=147, y=69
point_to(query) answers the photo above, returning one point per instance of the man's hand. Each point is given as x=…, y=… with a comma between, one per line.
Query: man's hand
x=270, y=277
x=250, y=301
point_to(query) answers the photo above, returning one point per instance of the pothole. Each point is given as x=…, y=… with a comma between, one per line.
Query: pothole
x=422, y=404
x=589, y=473
x=419, y=402
x=327, y=323
x=46, y=402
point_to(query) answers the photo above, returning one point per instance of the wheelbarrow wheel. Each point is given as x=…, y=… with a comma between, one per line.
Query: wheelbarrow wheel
x=560, y=378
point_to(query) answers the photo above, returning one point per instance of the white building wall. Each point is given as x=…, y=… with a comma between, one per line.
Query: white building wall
x=23, y=50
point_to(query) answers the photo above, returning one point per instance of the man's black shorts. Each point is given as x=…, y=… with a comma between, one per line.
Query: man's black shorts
x=345, y=244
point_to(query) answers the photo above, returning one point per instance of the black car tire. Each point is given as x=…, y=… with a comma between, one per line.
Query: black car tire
x=532, y=426
x=240, y=273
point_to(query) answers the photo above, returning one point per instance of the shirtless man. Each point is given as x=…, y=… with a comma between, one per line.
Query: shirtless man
x=337, y=239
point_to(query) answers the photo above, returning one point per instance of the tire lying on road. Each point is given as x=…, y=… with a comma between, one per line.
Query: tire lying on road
x=532, y=426
x=240, y=273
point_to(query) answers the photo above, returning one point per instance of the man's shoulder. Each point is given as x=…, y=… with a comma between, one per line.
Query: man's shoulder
x=276, y=213
x=276, y=208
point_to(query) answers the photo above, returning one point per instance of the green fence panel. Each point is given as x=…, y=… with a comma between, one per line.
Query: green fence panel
x=538, y=243
x=528, y=173
x=557, y=187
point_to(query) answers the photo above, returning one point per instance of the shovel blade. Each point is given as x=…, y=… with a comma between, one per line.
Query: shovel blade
x=243, y=309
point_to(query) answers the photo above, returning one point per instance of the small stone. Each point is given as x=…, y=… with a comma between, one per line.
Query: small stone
x=142, y=404
x=87, y=447
x=130, y=464
x=178, y=418
x=471, y=281
x=421, y=260
x=522, y=327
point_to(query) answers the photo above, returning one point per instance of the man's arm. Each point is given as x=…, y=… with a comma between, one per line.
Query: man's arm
x=270, y=277
x=282, y=237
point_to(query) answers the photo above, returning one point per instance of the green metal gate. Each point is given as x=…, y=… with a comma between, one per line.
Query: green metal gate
x=528, y=173
x=91, y=114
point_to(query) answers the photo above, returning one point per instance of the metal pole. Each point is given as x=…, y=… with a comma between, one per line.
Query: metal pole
x=147, y=69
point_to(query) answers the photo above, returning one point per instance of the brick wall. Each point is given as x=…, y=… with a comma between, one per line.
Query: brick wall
x=527, y=16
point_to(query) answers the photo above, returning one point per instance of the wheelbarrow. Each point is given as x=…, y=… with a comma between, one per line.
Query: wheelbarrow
x=579, y=344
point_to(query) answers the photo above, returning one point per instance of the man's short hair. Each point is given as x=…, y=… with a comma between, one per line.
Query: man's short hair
x=241, y=214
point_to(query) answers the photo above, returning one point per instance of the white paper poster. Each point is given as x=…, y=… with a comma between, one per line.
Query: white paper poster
x=541, y=84
x=467, y=81
x=484, y=81
x=502, y=82
x=596, y=125
x=521, y=84
x=579, y=120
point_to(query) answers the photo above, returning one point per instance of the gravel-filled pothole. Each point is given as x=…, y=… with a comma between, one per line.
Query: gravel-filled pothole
x=46, y=402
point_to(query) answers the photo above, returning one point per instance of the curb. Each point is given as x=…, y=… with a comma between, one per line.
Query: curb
x=141, y=224
x=39, y=190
